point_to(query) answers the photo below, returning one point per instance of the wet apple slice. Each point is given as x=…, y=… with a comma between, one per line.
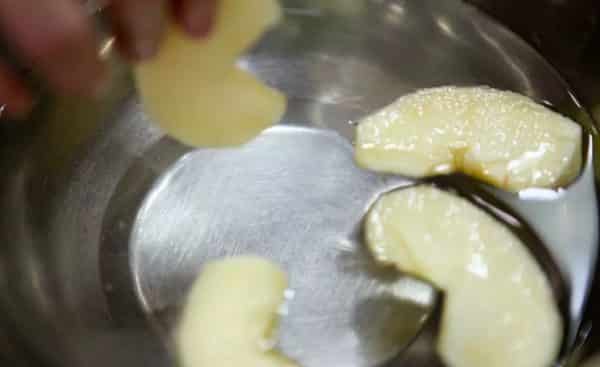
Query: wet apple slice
x=231, y=315
x=502, y=138
x=499, y=306
x=195, y=92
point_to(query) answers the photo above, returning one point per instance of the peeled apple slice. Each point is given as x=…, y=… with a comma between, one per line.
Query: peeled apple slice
x=231, y=315
x=502, y=138
x=499, y=307
x=194, y=91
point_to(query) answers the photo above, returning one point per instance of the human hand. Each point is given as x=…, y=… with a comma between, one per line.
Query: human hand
x=56, y=39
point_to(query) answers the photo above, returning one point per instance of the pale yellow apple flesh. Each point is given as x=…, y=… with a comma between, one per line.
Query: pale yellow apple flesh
x=231, y=315
x=502, y=138
x=499, y=306
x=195, y=92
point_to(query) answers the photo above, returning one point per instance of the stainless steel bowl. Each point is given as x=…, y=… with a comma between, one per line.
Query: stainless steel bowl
x=76, y=287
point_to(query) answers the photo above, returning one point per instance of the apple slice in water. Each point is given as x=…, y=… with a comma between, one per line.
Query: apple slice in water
x=499, y=306
x=231, y=315
x=502, y=138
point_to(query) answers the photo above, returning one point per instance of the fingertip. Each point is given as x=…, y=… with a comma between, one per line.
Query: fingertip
x=146, y=49
x=85, y=80
x=198, y=17
x=63, y=51
x=138, y=51
x=140, y=27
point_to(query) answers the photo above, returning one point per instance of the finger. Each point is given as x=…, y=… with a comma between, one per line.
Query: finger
x=57, y=38
x=196, y=16
x=15, y=99
x=139, y=25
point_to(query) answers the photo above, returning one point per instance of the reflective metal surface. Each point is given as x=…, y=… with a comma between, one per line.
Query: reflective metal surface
x=294, y=195
x=105, y=222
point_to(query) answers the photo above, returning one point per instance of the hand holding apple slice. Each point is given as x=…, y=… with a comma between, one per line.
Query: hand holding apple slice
x=502, y=138
x=231, y=315
x=499, y=307
x=196, y=93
